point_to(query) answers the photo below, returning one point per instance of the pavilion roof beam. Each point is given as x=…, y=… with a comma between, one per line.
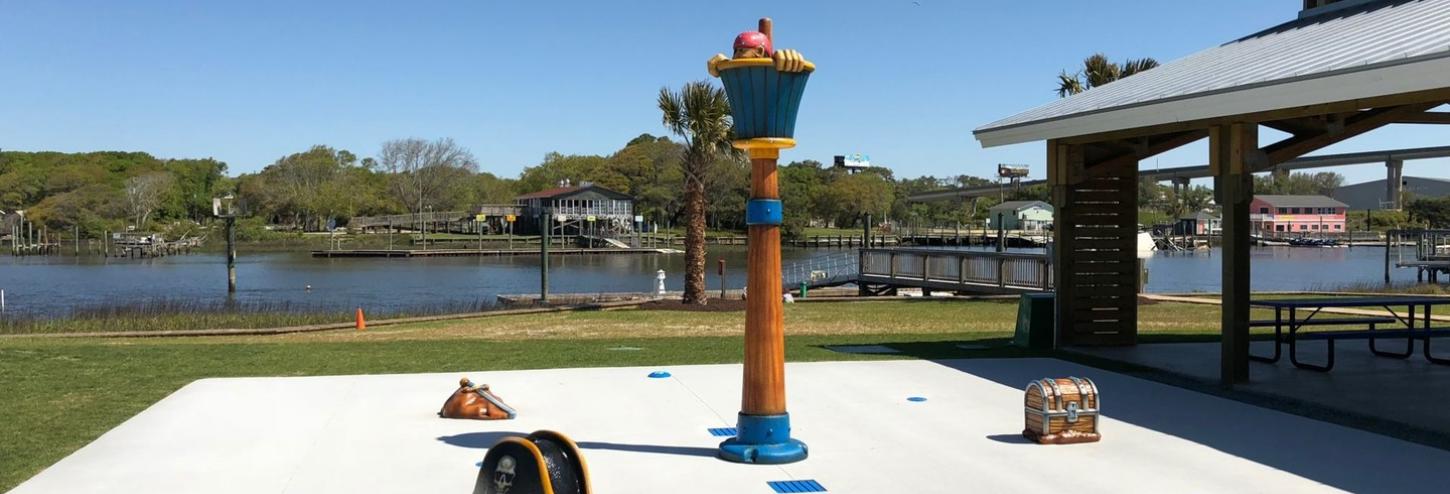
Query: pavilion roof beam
x=1436, y=96
x=1139, y=149
x=1352, y=126
x=1429, y=117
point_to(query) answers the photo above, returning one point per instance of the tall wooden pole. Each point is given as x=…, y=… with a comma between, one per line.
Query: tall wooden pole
x=231, y=255
x=544, y=256
x=764, y=392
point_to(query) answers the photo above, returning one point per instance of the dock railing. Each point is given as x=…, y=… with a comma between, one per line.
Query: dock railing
x=835, y=269
x=964, y=270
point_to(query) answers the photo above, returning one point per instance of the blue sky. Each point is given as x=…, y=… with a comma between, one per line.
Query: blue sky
x=248, y=82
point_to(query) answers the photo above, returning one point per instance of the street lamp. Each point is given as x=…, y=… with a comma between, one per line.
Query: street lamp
x=225, y=207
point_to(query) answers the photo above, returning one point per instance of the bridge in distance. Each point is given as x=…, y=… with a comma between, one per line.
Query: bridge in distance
x=1394, y=161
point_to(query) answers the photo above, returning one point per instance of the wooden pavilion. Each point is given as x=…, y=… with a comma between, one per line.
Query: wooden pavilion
x=1341, y=69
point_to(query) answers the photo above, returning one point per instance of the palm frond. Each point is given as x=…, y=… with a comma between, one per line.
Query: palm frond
x=1068, y=84
x=1100, y=71
x=1135, y=66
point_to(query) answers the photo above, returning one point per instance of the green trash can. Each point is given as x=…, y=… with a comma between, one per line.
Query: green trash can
x=1035, y=321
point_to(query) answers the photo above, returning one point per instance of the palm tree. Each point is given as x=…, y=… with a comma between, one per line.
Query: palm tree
x=1097, y=70
x=700, y=114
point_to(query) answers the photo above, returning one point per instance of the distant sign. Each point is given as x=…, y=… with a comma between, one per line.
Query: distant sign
x=590, y=217
x=480, y=217
x=562, y=218
x=1011, y=171
x=638, y=218
x=857, y=160
x=510, y=218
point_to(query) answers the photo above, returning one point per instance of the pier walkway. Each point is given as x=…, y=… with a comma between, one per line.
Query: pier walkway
x=476, y=252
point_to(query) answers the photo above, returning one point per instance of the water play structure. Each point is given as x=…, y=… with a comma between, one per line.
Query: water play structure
x=765, y=86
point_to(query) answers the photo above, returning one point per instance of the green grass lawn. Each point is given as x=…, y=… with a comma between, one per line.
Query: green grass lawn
x=63, y=393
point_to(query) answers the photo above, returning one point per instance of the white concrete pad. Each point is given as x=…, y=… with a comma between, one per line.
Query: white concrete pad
x=379, y=433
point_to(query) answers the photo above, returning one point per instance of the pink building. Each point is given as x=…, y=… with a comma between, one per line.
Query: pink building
x=1297, y=214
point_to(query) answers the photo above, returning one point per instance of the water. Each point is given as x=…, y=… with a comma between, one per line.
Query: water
x=1277, y=269
x=52, y=285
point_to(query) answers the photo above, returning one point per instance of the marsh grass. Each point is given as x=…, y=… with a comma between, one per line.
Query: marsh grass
x=191, y=315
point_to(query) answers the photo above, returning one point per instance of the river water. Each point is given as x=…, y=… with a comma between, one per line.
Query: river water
x=54, y=285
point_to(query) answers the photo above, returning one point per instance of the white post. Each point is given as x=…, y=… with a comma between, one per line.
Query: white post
x=661, y=277
x=2, y=300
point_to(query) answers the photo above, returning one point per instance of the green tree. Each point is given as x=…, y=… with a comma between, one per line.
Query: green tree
x=1432, y=212
x=700, y=115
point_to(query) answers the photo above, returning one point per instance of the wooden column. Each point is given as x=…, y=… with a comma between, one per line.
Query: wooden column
x=764, y=392
x=1231, y=148
x=1095, y=265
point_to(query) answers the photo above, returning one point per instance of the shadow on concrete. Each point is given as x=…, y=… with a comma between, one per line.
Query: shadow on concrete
x=1010, y=438
x=485, y=440
x=651, y=448
x=1323, y=452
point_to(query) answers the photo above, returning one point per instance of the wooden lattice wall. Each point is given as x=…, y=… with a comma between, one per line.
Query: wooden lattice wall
x=1095, y=248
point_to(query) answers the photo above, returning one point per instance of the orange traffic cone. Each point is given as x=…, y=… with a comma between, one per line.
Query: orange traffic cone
x=362, y=324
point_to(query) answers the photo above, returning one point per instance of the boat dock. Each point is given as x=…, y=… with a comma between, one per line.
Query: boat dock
x=476, y=252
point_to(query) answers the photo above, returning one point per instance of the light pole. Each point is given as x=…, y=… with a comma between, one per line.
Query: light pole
x=428, y=215
x=225, y=207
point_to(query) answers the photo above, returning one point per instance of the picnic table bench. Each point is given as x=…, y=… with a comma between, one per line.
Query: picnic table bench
x=1411, y=330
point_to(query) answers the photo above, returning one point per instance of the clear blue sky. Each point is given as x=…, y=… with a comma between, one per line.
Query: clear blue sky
x=248, y=82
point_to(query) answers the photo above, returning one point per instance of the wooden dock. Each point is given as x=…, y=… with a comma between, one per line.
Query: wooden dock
x=476, y=252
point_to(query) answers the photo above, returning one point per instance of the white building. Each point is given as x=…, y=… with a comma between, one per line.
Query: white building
x=1021, y=215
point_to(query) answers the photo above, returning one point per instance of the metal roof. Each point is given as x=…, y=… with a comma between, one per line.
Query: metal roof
x=564, y=191
x=1381, y=48
x=1301, y=201
x=1019, y=205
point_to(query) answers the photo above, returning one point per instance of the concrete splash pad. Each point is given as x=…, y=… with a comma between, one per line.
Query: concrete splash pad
x=378, y=433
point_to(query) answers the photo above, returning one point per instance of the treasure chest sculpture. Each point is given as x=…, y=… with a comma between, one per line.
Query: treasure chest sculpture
x=1062, y=411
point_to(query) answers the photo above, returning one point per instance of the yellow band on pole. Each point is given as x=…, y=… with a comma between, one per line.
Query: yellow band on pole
x=764, y=147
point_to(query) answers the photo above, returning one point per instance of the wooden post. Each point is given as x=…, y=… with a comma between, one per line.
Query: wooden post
x=1231, y=146
x=1387, y=256
x=544, y=256
x=231, y=255
x=866, y=232
x=721, y=274
x=764, y=392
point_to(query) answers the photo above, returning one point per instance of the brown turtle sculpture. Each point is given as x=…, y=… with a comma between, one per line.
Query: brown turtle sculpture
x=475, y=402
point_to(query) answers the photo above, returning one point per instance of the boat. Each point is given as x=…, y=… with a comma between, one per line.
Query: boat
x=1314, y=242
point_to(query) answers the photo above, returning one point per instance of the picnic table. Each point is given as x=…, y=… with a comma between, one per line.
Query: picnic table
x=1414, y=327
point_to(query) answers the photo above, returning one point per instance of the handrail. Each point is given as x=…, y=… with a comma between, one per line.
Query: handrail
x=961, y=270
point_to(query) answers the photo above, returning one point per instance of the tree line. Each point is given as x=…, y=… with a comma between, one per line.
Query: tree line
x=323, y=186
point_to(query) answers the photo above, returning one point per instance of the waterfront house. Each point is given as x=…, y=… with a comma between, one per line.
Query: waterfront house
x=1297, y=214
x=1021, y=215
x=1200, y=223
x=582, y=209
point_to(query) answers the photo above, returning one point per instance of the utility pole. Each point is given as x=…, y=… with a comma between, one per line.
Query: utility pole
x=224, y=207
x=231, y=254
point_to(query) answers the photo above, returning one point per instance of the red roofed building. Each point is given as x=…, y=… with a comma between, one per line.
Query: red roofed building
x=584, y=209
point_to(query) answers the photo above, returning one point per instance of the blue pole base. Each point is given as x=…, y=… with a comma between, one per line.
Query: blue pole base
x=763, y=439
